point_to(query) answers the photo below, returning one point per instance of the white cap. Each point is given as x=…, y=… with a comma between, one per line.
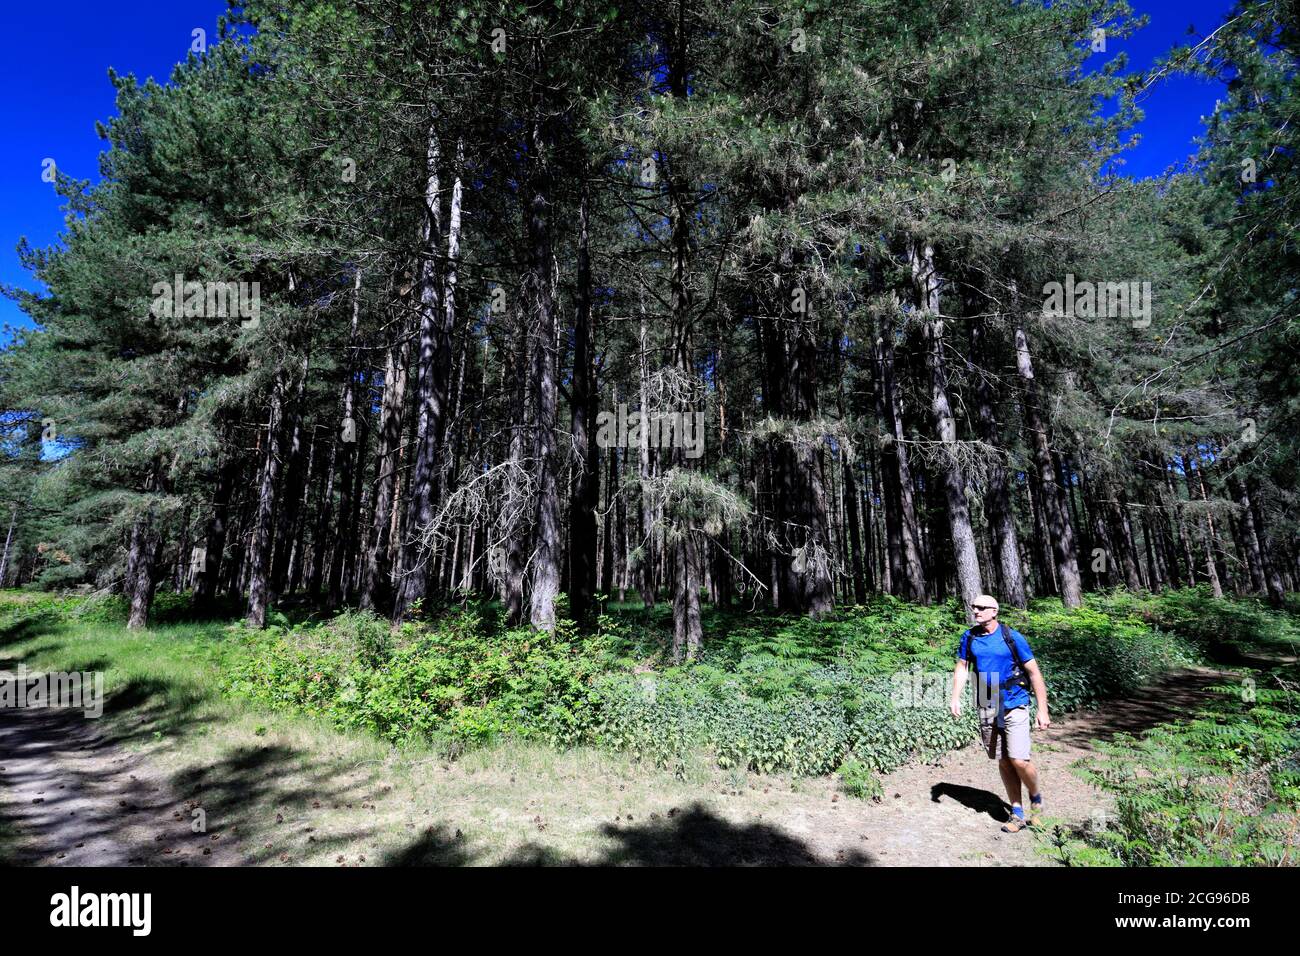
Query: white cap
x=986, y=600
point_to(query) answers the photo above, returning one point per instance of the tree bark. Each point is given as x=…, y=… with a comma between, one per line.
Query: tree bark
x=516, y=499
x=909, y=577
x=965, y=554
x=586, y=486
x=375, y=578
x=1057, y=518
x=260, y=547
x=1249, y=537
x=324, y=508
x=543, y=333
x=9, y=540
x=1272, y=577
x=645, y=567
x=349, y=438
x=1001, y=515
x=437, y=327
x=142, y=559
x=205, y=586
x=1207, y=529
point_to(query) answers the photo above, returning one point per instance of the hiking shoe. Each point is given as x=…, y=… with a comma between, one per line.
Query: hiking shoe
x=1015, y=824
x=1035, y=812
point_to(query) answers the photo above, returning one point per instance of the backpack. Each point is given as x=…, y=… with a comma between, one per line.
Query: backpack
x=1018, y=676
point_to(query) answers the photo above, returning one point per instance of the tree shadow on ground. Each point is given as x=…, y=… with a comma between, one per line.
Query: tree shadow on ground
x=11, y=853
x=435, y=847
x=96, y=811
x=28, y=628
x=246, y=789
x=692, y=837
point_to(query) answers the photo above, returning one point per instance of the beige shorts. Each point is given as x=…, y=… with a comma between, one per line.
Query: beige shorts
x=1009, y=741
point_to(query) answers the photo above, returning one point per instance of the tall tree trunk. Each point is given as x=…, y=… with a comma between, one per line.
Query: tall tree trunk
x=1057, y=517
x=586, y=486
x=375, y=579
x=1273, y=578
x=298, y=535
x=205, y=585
x=1251, y=539
x=1249, y=536
x=142, y=555
x=1128, y=553
x=1103, y=572
x=142, y=558
x=1166, y=533
x=543, y=334
x=645, y=567
x=608, y=565
x=687, y=630
x=965, y=554
x=1001, y=515
x=437, y=327
x=516, y=497
x=290, y=497
x=321, y=535
x=9, y=540
x=260, y=547
x=876, y=567
x=1044, y=562
x=910, y=579
x=1184, y=539
x=851, y=517
x=1155, y=573
x=1207, y=527
x=347, y=439
x=1221, y=566
x=890, y=502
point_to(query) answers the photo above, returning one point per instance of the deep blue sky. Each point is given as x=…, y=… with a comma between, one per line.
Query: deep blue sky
x=53, y=71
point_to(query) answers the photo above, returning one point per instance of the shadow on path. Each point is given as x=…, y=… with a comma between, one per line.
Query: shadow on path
x=981, y=801
x=691, y=837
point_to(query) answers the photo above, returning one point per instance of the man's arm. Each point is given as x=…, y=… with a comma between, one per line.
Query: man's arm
x=958, y=680
x=1040, y=692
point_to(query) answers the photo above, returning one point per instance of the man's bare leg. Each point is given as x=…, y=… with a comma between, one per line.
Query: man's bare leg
x=1010, y=780
x=1025, y=773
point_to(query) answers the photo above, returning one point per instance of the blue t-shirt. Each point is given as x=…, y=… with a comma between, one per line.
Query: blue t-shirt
x=993, y=660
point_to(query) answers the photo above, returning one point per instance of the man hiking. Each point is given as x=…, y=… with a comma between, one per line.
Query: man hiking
x=1003, y=665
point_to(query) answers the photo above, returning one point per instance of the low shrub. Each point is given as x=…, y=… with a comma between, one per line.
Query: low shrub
x=771, y=694
x=458, y=681
x=834, y=715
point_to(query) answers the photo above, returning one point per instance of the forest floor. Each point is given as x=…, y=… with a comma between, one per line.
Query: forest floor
x=269, y=789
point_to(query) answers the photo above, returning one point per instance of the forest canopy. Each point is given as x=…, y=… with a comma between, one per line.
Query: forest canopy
x=777, y=304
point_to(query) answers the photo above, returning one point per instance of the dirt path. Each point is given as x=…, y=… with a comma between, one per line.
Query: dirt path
x=76, y=799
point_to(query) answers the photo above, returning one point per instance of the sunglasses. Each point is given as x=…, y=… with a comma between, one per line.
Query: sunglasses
x=981, y=607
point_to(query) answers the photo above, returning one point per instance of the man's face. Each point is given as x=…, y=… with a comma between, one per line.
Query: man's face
x=984, y=613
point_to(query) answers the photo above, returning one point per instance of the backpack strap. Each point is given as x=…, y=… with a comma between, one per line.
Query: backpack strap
x=1011, y=645
x=1006, y=636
